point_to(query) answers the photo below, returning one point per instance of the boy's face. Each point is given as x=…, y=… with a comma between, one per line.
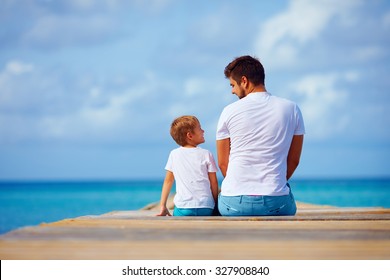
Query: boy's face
x=198, y=135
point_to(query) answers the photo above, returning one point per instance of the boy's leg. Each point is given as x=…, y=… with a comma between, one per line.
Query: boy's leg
x=192, y=211
x=204, y=211
x=183, y=212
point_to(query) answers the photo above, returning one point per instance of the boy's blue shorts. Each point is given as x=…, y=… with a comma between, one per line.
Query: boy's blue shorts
x=192, y=211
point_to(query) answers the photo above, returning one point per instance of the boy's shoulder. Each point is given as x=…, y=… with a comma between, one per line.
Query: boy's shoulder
x=204, y=151
x=198, y=149
x=176, y=150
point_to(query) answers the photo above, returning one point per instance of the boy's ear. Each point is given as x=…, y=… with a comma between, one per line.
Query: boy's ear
x=189, y=135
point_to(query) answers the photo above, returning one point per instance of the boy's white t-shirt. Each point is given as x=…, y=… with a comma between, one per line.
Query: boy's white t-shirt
x=191, y=166
x=260, y=127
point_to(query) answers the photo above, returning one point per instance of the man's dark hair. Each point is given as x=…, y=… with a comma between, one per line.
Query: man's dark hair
x=246, y=66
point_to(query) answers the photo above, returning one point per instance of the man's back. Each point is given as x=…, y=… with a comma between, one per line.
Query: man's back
x=260, y=128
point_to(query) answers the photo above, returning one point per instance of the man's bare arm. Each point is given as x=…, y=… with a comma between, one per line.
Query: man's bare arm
x=294, y=155
x=223, y=152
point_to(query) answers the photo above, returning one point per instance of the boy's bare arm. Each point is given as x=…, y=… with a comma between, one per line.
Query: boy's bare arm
x=214, y=185
x=166, y=189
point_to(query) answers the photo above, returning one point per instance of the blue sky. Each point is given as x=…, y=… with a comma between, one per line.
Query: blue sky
x=88, y=89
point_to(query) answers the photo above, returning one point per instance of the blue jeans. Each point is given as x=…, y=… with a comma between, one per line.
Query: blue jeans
x=192, y=211
x=257, y=205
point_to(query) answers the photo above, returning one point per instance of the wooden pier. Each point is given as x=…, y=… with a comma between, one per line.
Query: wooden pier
x=315, y=233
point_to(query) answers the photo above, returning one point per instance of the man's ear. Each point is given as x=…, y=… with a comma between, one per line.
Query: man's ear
x=244, y=81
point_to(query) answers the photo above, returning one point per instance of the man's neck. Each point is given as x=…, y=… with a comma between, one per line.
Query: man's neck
x=252, y=88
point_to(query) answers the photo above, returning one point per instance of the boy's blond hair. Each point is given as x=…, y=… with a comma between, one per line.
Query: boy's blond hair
x=181, y=126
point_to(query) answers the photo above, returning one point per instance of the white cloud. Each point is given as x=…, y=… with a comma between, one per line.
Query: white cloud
x=59, y=31
x=85, y=4
x=194, y=86
x=204, y=98
x=10, y=80
x=17, y=68
x=386, y=20
x=282, y=36
x=155, y=6
x=324, y=102
x=369, y=53
x=212, y=27
x=91, y=88
x=351, y=76
x=198, y=90
x=112, y=120
x=39, y=107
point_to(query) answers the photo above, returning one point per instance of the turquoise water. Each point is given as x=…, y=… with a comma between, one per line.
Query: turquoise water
x=32, y=203
x=343, y=192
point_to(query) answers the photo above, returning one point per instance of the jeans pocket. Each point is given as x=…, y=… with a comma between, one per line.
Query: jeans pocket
x=226, y=209
x=281, y=205
x=275, y=205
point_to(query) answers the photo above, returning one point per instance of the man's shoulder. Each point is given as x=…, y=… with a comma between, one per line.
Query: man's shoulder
x=283, y=101
x=235, y=105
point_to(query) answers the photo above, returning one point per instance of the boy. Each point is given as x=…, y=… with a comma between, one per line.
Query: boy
x=194, y=170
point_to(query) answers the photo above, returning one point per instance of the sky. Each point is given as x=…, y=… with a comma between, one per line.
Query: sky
x=88, y=89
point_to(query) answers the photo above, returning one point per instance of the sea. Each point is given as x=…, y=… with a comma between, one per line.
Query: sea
x=29, y=203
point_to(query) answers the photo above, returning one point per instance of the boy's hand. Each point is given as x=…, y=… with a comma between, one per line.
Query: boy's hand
x=164, y=212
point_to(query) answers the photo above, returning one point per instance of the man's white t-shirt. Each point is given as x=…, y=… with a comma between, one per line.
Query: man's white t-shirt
x=191, y=166
x=260, y=127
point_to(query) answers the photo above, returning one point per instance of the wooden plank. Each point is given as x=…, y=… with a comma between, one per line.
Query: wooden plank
x=314, y=233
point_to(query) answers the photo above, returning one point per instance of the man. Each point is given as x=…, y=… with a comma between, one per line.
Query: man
x=259, y=144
